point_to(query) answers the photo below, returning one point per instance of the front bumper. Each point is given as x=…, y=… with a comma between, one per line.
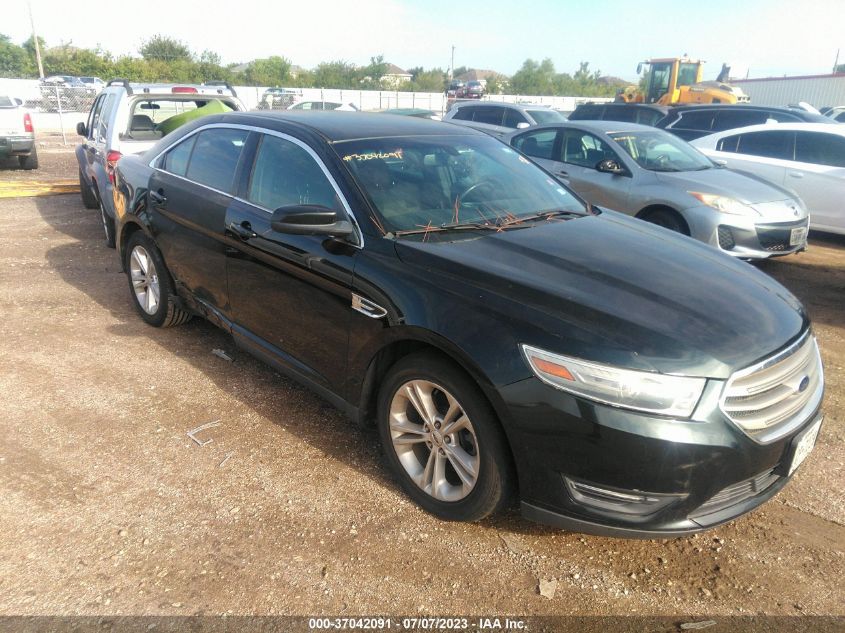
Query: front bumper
x=16, y=145
x=708, y=469
x=748, y=237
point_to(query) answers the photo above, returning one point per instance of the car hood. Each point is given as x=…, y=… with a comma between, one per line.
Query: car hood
x=746, y=188
x=613, y=289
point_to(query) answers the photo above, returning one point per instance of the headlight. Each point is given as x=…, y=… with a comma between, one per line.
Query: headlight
x=640, y=390
x=723, y=203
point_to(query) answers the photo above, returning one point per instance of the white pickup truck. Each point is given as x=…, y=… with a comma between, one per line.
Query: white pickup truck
x=17, y=136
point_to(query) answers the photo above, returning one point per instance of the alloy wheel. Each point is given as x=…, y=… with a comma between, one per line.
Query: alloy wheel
x=144, y=277
x=434, y=440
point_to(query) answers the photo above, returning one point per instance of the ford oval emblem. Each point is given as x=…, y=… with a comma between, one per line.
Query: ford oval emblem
x=805, y=382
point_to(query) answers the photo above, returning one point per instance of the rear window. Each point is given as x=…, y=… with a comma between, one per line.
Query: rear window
x=152, y=114
x=6, y=102
x=586, y=113
x=488, y=114
x=463, y=114
x=768, y=144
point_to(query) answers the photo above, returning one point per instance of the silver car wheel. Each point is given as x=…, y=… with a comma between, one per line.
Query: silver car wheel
x=434, y=440
x=144, y=277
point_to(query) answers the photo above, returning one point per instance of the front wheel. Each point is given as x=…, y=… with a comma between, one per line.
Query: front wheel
x=150, y=285
x=442, y=440
x=668, y=219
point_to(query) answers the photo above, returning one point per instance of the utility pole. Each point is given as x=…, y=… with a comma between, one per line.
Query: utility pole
x=35, y=41
x=452, y=66
x=836, y=62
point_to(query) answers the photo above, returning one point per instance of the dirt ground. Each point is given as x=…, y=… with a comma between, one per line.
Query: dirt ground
x=108, y=507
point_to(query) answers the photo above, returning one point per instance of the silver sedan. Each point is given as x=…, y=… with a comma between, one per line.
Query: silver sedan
x=655, y=176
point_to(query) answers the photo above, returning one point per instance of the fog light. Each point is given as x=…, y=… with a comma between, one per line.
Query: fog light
x=726, y=238
x=631, y=502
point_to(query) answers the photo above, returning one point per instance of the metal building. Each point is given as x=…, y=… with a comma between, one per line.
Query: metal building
x=817, y=90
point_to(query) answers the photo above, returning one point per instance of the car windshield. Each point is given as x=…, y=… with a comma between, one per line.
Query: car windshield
x=418, y=183
x=656, y=150
x=546, y=116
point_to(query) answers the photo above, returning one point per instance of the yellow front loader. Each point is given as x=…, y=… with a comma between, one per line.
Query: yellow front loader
x=677, y=80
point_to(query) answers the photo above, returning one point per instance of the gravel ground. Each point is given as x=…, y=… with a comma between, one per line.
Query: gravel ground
x=107, y=507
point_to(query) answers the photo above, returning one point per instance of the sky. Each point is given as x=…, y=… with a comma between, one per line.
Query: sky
x=766, y=37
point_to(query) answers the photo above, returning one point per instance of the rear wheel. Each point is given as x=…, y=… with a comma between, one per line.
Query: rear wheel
x=89, y=199
x=442, y=440
x=150, y=285
x=29, y=162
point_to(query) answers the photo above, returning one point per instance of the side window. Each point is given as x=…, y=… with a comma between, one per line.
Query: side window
x=105, y=115
x=176, y=160
x=464, y=114
x=694, y=120
x=584, y=149
x=731, y=119
x=537, y=144
x=626, y=113
x=587, y=112
x=286, y=174
x=820, y=148
x=769, y=144
x=513, y=118
x=488, y=114
x=728, y=144
x=215, y=158
x=94, y=115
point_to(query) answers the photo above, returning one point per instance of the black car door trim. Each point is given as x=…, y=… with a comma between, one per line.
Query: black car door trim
x=251, y=128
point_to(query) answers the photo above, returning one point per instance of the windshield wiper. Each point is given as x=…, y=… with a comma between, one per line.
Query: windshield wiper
x=500, y=224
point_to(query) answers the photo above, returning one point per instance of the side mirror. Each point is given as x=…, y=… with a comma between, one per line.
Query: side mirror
x=81, y=129
x=720, y=163
x=309, y=219
x=522, y=126
x=18, y=101
x=610, y=166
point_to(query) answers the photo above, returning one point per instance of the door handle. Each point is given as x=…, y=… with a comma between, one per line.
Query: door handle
x=565, y=174
x=242, y=230
x=796, y=174
x=158, y=196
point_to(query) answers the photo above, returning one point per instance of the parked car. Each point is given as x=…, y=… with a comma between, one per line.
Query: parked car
x=129, y=119
x=17, y=135
x=456, y=89
x=94, y=82
x=807, y=158
x=505, y=340
x=278, y=98
x=837, y=113
x=323, y=105
x=420, y=113
x=642, y=113
x=67, y=93
x=655, y=176
x=499, y=118
x=694, y=121
x=474, y=90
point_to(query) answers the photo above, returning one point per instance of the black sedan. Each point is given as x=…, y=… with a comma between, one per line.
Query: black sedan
x=506, y=338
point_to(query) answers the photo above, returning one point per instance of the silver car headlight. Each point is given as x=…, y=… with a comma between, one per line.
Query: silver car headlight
x=723, y=203
x=640, y=390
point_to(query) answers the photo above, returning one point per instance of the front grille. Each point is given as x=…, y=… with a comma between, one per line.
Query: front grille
x=726, y=238
x=765, y=400
x=774, y=239
x=737, y=493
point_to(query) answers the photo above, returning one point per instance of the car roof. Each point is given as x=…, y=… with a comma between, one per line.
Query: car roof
x=476, y=102
x=346, y=126
x=825, y=128
x=598, y=127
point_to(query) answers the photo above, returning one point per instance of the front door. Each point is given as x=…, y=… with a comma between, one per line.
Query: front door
x=579, y=154
x=290, y=294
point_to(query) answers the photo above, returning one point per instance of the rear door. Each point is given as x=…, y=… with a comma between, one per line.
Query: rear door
x=190, y=192
x=818, y=174
x=290, y=294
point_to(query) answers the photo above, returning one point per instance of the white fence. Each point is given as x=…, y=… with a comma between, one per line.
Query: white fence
x=54, y=112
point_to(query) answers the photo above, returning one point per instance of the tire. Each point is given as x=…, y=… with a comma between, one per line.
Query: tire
x=89, y=198
x=668, y=219
x=149, y=284
x=29, y=162
x=108, y=225
x=426, y=463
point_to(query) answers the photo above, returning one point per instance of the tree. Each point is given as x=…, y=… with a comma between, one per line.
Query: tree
x=839, y=69
x=369, y=77
x=460, y=70
x=164, y=48
x=337, y=74
x=433, y=80
x=272, y=71
x=14, y=60
x=535, y=79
